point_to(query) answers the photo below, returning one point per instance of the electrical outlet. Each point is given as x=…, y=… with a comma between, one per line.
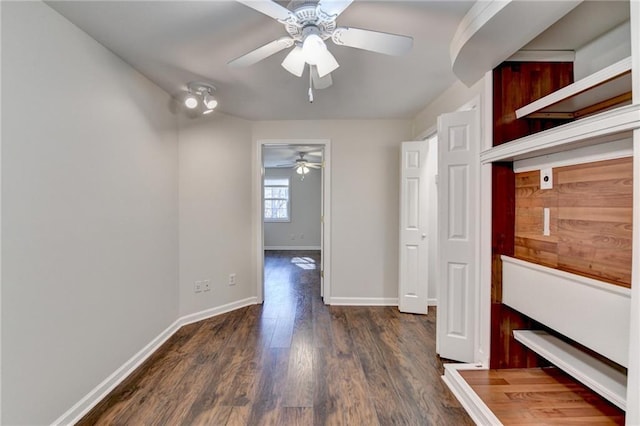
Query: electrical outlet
x=206, y=285
x=197, y=286
x=232, y=279
x=546, y=178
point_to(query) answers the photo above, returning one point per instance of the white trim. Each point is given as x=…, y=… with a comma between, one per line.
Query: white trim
x=258, y=225
x=599, y=311
x=476, y=408
x=364, y=301
x=97, y=394
x=542, y=56
x=218, y=310
x=292, y=247
x=607, y=381
x=483, y=344
x=622, y=148
x=599, y=128
x=432, y=302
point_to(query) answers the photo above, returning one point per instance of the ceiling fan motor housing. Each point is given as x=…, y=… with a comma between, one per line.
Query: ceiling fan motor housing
x=308, y=15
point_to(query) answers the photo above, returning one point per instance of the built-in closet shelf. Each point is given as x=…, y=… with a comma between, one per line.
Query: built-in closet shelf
x=600, y=128
x=607, y=381
x=601, y=90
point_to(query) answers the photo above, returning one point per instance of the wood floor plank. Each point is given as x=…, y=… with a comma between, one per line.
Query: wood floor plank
x=540, y=396
x=291, y=361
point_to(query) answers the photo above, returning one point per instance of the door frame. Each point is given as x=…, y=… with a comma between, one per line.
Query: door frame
x=258, y=224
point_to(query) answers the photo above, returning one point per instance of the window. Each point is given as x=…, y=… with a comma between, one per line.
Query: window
x=276, y=200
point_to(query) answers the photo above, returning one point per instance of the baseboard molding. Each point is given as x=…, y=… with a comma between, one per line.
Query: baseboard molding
x=82, y=407
x=219, y=310
x=364, y=301
x=432, y=302
x=292, y=247
x=475, y=407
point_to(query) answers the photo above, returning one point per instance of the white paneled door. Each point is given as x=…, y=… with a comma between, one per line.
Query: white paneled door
x=458, y=219
x=413, y=228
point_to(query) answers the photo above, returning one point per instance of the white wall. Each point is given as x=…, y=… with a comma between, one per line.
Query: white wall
x=365, y=185
x=603, y=51
x=450, y=100
x=215, y=211
x=89, y=213
x=303, y=231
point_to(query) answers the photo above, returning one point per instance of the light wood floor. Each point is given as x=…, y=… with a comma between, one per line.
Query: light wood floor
x=291, y=361
x=540, y=396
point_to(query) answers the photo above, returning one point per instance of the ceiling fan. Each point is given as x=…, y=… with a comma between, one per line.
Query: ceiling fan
x=309, y=23
x=301, y=165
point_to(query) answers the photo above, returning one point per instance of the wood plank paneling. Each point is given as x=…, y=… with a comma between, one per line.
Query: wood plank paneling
x=591, y=209
x=516, y=84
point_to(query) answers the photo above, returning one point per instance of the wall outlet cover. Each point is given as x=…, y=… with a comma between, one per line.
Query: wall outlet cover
x=197, y=286
x=206, y=285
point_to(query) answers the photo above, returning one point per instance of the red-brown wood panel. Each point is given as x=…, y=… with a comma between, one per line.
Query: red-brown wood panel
x=516, y=84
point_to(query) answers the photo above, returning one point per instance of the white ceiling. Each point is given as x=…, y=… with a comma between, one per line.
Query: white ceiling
x=175, y=42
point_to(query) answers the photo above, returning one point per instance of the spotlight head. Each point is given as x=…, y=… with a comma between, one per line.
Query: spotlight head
x=191, y=101
x=209, y=101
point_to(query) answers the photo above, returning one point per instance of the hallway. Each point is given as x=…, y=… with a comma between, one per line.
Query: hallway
x=291, y=361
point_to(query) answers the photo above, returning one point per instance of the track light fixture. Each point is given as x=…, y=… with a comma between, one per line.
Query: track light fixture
x=200, y=94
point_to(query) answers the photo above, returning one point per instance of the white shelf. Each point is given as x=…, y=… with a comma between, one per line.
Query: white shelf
x=612, y=82
x=593, y=130
x=593, y=373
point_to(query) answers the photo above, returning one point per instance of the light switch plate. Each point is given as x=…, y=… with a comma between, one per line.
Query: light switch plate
x=546, y=178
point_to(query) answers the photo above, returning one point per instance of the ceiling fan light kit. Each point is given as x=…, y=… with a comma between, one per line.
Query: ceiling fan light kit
x=309, y=23
x=200, y=94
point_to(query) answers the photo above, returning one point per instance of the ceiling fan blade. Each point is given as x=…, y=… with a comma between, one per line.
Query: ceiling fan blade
x=262, y=52
x=320, y=82
x=334, y=8
x=326, y=63
x=314, y=165
x=374, y=41
x=269, y=8
x=294, y=62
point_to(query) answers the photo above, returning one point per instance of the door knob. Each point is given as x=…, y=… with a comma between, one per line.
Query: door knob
x=424, y=236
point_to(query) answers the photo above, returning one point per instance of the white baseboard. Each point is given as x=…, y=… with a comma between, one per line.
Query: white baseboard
x=82, y=407
x=475, y=407
x=292, y=247
x=432, y=302
x=208, y=313
x=364, y=301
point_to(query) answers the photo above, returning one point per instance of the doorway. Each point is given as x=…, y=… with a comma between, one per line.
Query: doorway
x=292, y=217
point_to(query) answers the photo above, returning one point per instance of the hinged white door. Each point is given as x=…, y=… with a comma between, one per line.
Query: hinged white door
x=413, y=287
x=458, y=217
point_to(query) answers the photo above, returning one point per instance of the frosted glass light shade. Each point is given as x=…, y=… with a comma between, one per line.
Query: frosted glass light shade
x=191, y=102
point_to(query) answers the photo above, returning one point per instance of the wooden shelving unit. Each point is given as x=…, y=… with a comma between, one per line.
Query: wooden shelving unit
x=607, y=88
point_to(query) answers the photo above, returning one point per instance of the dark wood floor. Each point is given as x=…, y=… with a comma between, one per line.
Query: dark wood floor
x=540, y=396
x=291, y=361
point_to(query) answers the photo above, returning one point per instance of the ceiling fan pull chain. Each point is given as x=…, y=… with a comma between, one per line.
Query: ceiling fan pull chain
x=310, y=86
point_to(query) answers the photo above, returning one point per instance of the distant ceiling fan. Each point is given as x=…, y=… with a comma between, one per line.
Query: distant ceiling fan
x=309, y=23
x=301, y=165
